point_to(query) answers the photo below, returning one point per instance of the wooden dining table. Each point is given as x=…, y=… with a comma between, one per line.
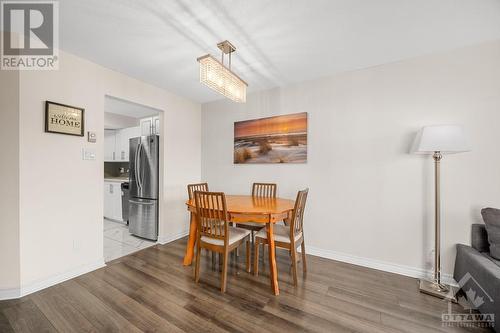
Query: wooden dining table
x=244, y=209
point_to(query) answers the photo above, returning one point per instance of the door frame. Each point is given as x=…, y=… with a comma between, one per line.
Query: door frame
x=161, y=171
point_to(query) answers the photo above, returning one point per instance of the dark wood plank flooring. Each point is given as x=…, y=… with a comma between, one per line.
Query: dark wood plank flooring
x=150, y=291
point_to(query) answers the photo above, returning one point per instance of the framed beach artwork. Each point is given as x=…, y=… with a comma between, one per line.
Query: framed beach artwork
x=280, y=139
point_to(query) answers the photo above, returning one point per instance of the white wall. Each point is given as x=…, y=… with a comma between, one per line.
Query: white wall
x=370, y=201
x=61, y=195
x=9, y=180
x=117, y=121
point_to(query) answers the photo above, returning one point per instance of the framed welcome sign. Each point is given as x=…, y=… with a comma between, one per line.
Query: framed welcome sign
x=64, y=119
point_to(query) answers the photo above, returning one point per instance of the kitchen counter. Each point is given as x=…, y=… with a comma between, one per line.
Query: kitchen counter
x=116, y=179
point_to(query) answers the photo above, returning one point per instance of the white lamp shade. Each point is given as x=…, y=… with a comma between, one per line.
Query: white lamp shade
x=447, y=139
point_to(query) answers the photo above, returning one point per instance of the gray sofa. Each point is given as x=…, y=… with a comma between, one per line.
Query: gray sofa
x=477, y=270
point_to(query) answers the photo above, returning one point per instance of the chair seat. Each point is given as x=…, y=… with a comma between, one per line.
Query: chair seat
x=281, y=234
x=255, y=226
x=235, y=234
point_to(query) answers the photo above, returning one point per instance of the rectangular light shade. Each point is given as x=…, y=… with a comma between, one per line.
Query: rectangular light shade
x=447, y=139
x=221, y=79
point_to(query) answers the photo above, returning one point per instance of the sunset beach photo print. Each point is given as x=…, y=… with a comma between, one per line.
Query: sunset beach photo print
x=280, y=139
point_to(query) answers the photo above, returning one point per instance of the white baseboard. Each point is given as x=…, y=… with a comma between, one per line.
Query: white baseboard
x=414, y=272
x=170, y=238
x=9, y=293
x=42, y=284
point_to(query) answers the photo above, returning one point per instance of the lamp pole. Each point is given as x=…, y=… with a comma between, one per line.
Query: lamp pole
x=435, y=287
x=437, y=218
x=436, y=141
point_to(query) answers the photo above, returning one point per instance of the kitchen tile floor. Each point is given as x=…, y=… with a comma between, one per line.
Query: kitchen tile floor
x=118, y=242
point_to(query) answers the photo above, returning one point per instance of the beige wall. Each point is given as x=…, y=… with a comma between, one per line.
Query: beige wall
x=9, y=180
x=113, y=120
x=370, y=202
x=61, y=200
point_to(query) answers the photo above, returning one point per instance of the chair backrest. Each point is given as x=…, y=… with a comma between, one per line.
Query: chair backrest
x=203, y=187
x=267, y=190
x=297, y=222
x=211, y=213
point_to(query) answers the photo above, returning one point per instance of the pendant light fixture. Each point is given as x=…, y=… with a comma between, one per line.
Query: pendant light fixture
x=220, y=78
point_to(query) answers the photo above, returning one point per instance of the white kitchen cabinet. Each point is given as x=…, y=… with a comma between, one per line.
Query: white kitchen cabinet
x=123, y=142
x=146, y=126
x=109, y=145
x=156, y=125
x=121, y=147
x=150, y=126
x=108, y=200
x=116, y=143
x=113, y=201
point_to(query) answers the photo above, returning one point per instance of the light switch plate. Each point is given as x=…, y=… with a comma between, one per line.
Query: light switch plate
x=88, y=154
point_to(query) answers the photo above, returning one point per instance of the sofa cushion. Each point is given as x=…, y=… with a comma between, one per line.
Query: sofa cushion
x=481, y=273
x=479, y=238
x=491, y=217
x=495, y=261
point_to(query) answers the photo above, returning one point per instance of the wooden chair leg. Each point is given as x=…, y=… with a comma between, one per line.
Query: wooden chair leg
x=303, y=249
x=294, y=266
x=214, y=260
x=248, y=255
x=197, y=264
x=224, y=271
x=256, y=258
x=263, y=253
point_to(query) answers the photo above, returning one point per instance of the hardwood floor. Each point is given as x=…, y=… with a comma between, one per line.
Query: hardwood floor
x=151, y=290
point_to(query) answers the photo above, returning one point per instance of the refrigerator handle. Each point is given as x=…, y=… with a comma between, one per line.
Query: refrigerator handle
x=137, y=166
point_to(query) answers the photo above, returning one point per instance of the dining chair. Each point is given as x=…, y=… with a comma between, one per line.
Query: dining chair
x=200, y=187
x=196, y=187
x=287, y=236
x=214, y=232
x=260, y=192
x=267, y=190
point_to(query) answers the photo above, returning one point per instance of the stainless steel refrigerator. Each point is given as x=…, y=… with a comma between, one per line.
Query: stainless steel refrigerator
x=143, y=178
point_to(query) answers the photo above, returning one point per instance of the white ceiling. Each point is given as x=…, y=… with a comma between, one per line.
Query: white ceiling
x=279, y=41
x=126, y=108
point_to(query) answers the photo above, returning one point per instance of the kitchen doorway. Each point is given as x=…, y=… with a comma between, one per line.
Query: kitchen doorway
x=132, y=177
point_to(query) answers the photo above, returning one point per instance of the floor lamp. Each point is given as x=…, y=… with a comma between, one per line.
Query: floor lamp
x=438, y=141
